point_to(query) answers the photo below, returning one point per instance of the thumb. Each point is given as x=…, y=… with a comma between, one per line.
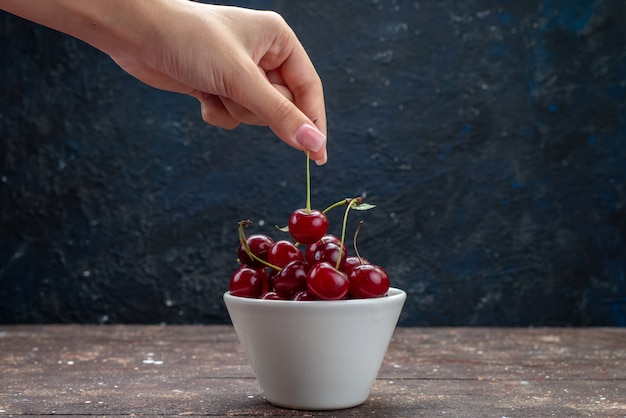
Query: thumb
x=286, y=119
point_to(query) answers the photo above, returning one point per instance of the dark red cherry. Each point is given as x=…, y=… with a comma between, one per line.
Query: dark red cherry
x=326, y=238
x=247, y=282
x=291, y=279
x=259, y=245
x=368, y=281
x=324, y=281
x=306, y=227
x=271, y=295
x=352, y=262
x=303, y=295
x=283, y=252
x=326, y=252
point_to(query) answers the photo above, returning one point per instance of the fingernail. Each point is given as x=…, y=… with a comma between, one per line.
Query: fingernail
x=310, y=138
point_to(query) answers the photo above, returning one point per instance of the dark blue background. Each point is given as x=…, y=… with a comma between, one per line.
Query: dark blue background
x=490, y=135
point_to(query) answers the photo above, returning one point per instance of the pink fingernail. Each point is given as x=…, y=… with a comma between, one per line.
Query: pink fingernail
x=310, y=138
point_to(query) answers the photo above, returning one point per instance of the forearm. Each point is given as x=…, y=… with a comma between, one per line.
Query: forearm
x=109, y=25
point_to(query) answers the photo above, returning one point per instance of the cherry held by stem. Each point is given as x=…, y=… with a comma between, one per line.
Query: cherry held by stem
x=307, y=226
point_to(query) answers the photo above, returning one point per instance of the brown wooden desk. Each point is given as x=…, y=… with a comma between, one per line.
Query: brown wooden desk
x=201, y=370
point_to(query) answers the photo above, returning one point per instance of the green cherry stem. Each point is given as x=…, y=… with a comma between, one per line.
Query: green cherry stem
x=308, y=183
x=351, y=203
x=343, y=202
x=356, y=250
x=244, y=243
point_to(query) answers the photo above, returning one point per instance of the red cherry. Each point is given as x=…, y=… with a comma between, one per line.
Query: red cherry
x=326, y=238
x=270, y=295
x=303, y=295
x=326, y=251
x=291, y=279
x=352, y=262
x=283, y=252
x=326, y=282
x=259, y=244
x=368, y=281
x=247, y=282
x=306, y=227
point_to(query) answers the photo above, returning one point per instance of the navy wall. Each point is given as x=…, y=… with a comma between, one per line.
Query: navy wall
x=491, y=135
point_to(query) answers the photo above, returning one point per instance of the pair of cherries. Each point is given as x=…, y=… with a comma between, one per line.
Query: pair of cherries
x=280, y=270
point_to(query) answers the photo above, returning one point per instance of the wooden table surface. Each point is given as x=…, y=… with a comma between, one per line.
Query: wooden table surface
x=111, y=370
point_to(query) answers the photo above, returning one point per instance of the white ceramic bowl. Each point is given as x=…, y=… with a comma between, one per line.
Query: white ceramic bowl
x=315, y=354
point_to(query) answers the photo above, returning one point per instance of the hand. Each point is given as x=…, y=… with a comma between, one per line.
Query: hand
x=244, y=66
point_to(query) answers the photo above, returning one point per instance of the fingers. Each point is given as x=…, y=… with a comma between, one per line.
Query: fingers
x=228, y=114
x=214, y=112
x=267, y=80
x=244, y=115
x=292, y=68
x=300, y=77
x=285, y=118
x=304, y=133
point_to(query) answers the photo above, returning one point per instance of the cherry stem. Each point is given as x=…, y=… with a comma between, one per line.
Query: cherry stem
x=244, y=243
x=356, y=233
x=351, y=202
x=308, y=183
x=343, y=202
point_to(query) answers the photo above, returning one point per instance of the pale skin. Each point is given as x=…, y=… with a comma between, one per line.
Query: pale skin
x=243, y=66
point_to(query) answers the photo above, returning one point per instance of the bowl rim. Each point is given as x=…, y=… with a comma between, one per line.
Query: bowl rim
x=392, y=294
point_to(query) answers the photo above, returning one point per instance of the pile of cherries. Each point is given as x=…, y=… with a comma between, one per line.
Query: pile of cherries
x=322, y=270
